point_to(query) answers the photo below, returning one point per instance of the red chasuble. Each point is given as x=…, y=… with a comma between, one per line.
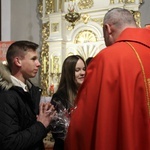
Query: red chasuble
x=113, y=105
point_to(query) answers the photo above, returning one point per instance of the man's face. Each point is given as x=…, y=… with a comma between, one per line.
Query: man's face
x=30, y=64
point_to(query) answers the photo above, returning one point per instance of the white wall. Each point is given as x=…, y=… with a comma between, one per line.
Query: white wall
x=20, y=19
x=25, y=24
x=5, y=20
x=24, y=20
x=145, y=12
x=20, y=22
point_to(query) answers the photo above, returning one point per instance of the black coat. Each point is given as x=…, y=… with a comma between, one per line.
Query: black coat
x=19, y=129
x=60, y=101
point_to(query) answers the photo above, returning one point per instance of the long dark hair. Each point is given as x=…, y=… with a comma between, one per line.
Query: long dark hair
x=67, y=80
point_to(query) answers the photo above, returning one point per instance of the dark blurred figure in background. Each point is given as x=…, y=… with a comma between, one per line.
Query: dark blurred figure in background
x=88, y=60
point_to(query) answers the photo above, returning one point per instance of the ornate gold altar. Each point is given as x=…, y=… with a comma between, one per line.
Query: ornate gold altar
x=73, y=27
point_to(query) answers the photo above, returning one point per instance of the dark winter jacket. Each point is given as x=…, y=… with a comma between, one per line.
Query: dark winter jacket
x=19, y=129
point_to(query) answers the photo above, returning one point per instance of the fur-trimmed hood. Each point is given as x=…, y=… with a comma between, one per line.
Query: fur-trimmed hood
x=5, y=77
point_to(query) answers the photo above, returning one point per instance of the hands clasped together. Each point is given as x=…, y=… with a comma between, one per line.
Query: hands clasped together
x=46, y=113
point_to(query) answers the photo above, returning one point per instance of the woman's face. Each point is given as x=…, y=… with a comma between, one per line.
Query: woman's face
x=80, y=72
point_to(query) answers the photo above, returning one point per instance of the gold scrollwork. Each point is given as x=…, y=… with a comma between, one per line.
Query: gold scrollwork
x=85, y=4
x=129, y=1
x=85, y=18
x=45, y=59
x=40, y=6
x=85, y=36
x=137, y=16
x=141, y=1
x=120, y=1
x=98, y=20
x=54, y=27
x=112, y=2
x=49, y=6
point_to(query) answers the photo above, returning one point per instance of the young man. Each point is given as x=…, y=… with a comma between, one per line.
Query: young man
x=113, y=104
x=23, y=123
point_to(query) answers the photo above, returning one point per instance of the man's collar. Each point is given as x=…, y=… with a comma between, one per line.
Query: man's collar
x=19, y=83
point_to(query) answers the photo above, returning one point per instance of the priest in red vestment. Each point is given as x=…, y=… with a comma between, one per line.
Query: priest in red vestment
x=113, y=103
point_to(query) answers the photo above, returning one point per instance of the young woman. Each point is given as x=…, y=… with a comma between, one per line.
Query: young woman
x=73, y=74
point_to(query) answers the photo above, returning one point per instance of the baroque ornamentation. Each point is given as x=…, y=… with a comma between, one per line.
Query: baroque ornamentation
x=120, y=1
x=49, y=6
x=85, y=18
x=137, y=17
x=112, y=2
x=85, y=4
x=85, y=36
x=98, y=20
x=55, y=27
x=40, y=7
x=89, y=49
x=72, y=16
x=45, y=59
x=130, y=1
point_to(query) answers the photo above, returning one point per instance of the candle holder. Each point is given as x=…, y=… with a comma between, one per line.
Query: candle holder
x=72, y=16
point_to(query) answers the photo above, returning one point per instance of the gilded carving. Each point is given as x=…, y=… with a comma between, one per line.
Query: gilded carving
x=54, y=27
x=85, y=4
x=141, y=1
x=40, y=6
x=120, y=1
x=45, y=59
x=55, y=69
x=137, y=16
x=112, y=2
x=85, y=18
x=129, y=1
x=85, y=36
x=98, y=20
x=88, y=49
x=49, y=6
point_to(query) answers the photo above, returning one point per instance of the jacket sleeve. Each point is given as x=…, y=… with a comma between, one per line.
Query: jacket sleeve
x=13, y=134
